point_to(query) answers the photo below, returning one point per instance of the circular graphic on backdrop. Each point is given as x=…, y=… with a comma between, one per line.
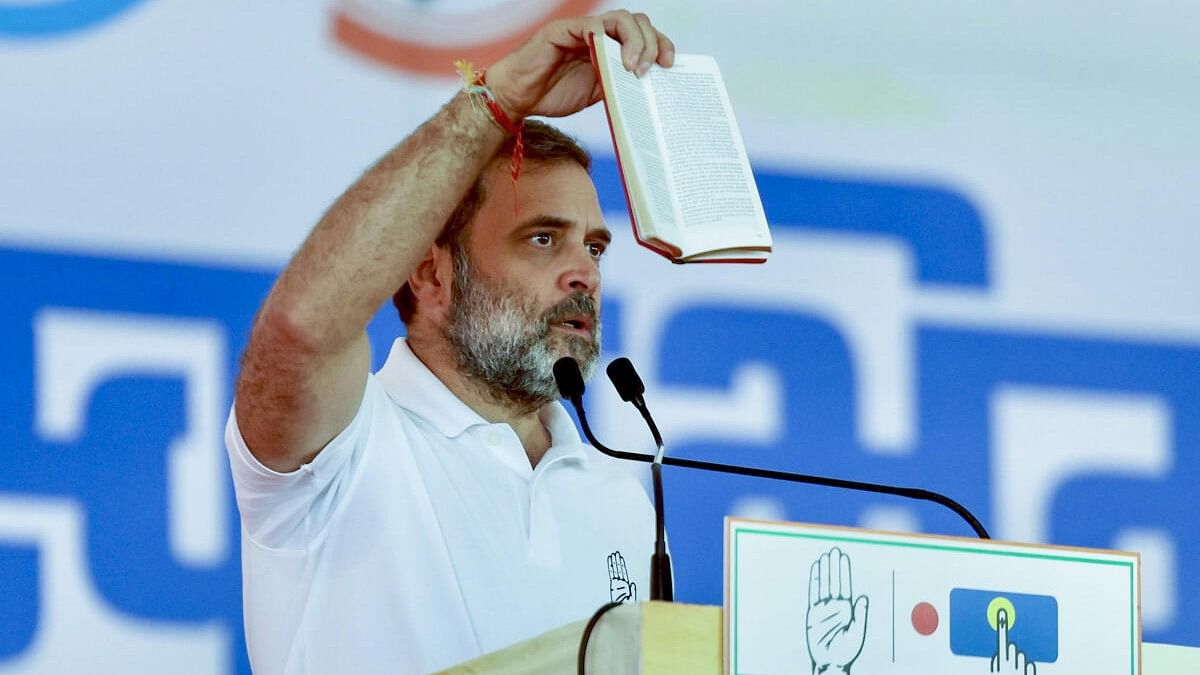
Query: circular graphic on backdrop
x=428, y=37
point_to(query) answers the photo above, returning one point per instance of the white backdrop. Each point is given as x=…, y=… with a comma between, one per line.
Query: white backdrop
x=984, y=215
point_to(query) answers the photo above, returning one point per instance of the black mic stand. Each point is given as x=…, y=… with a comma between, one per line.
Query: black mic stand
x=630, y=388
x=570, y=385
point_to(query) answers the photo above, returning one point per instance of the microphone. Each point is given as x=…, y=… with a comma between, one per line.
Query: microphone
x=625, y=378
x=569, y=379
x=571, y=386
x=630, y=388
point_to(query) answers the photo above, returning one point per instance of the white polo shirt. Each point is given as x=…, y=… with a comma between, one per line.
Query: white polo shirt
x=420, y=537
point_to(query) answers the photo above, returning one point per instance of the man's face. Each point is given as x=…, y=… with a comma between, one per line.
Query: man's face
x=526, y=291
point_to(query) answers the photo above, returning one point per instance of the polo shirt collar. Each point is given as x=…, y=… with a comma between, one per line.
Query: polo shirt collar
x=564, y=437
x=412, y=386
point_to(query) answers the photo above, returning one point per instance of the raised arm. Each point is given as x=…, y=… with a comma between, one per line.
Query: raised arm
x=304, y=370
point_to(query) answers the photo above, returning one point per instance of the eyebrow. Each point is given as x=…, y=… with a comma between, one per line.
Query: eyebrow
x=548, y=222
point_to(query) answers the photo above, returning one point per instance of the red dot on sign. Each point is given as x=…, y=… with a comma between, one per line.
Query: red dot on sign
x=924, y=618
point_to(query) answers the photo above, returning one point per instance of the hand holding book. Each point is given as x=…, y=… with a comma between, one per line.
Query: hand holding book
x=550, y=74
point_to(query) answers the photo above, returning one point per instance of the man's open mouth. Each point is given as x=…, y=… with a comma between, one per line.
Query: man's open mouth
x=579, y=323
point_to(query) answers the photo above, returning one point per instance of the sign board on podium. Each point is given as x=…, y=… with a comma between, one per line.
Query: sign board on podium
x=808, y=598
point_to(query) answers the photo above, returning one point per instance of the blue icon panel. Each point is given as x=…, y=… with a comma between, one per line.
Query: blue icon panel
x=1033, y=625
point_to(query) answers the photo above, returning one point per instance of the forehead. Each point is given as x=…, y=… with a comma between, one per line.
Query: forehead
x=560, y=190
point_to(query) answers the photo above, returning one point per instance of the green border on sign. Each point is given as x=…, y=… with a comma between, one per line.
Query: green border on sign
x=738, y=531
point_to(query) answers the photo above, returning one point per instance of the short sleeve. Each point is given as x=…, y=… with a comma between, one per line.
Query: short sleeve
x=288, y=510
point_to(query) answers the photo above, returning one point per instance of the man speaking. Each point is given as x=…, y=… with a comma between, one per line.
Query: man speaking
x=444, y=507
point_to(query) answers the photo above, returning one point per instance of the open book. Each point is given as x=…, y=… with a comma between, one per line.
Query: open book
x=691, y=194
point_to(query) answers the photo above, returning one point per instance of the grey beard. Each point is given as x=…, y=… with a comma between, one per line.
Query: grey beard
x=507, y=346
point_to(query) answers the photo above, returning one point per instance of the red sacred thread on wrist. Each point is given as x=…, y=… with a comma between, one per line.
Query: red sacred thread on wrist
x=514, y=128
x=475, y=84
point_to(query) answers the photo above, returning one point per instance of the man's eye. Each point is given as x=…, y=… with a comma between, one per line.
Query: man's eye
x=596, y=249
x=542, y=239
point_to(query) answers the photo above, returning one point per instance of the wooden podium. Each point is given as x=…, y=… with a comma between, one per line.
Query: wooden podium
x=675, y=639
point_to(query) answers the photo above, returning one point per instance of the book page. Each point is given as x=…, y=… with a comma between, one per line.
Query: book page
x=637, y=123
x=708, y=165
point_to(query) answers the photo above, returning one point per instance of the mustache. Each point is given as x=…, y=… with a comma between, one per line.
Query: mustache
x=575, y=305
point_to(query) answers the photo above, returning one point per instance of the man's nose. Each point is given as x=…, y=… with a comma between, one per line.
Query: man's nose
x=582, y=274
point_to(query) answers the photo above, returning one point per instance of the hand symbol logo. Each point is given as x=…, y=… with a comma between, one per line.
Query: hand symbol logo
x=620, y=588
x=836, y=622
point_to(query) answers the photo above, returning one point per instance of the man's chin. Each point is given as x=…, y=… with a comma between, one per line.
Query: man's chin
x=585, y=351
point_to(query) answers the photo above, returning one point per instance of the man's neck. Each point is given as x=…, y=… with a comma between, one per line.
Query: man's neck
x=525, y=421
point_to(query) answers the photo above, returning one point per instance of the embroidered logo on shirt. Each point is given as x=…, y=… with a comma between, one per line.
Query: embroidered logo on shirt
x=620, y=588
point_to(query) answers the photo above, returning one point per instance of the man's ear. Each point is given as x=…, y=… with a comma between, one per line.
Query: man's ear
x=430, y=281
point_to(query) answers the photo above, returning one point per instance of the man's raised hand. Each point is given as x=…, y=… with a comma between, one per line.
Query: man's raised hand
x=551, y=74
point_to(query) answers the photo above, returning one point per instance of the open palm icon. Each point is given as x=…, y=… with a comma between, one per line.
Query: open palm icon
x=836, y=623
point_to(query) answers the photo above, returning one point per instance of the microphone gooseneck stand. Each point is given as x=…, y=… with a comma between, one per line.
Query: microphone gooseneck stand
x=570, y=385
x=630, y=388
